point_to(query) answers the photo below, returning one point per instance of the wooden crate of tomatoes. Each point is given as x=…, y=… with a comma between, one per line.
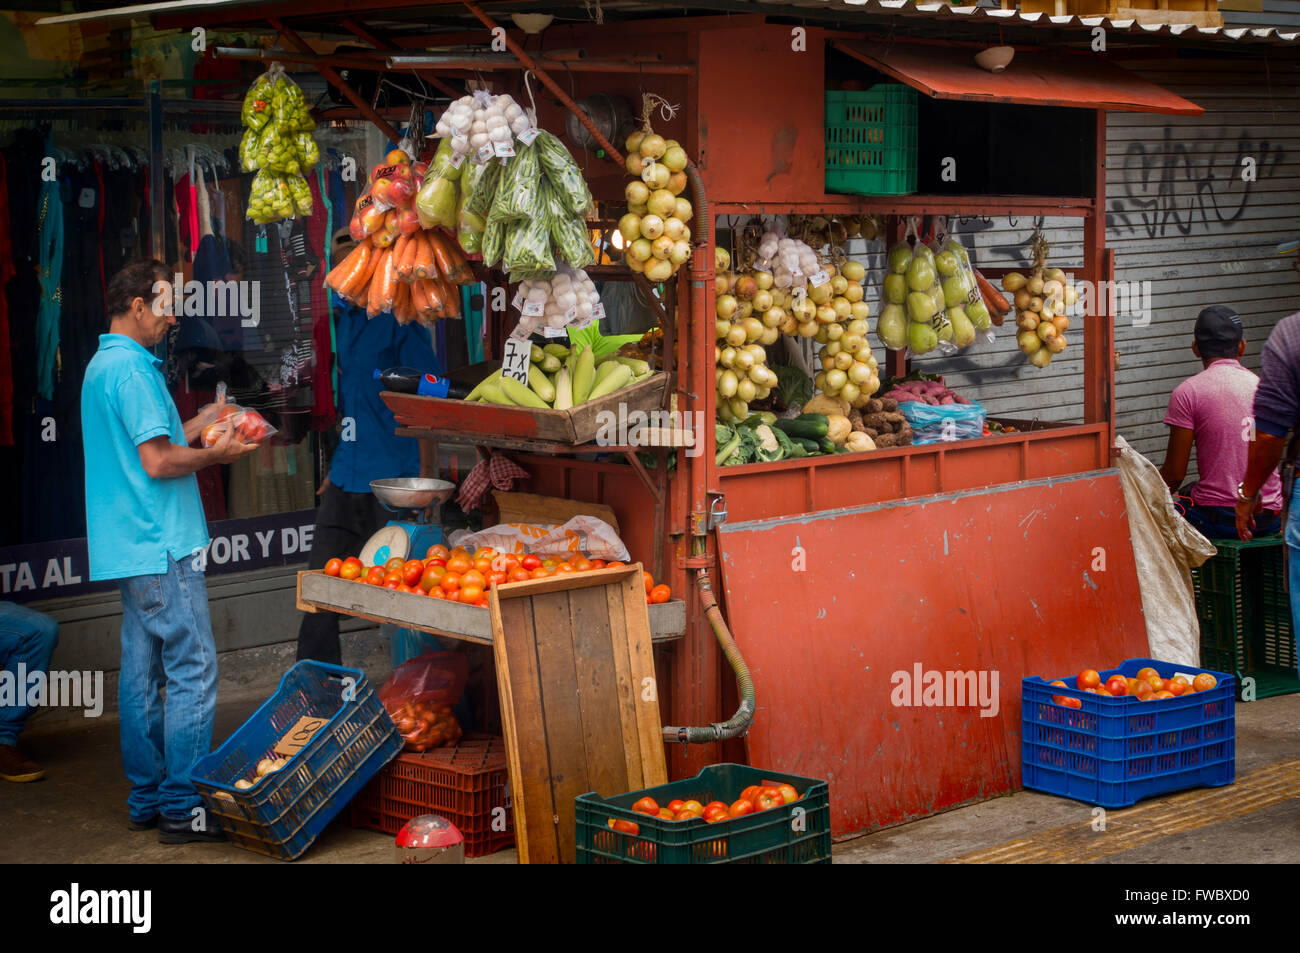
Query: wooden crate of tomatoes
x=727, y=814
x=1116, y=736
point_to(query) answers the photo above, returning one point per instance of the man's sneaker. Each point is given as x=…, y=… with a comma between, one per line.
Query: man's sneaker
x=182, y=832
x=14, y=767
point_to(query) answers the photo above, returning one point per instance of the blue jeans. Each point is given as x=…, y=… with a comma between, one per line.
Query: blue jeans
x=166, y=641
x=27, y=637
x=1220, y=522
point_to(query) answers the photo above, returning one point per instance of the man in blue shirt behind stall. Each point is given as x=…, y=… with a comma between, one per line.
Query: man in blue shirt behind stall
x=348, y=513
x=145, y=528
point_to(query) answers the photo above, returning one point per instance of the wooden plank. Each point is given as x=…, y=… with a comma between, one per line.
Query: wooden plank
x=568, y=580
x=553, y=630
x=598, y=690
x=547, y=510
x=627, y=686
x=627, y=611
x=530, y=779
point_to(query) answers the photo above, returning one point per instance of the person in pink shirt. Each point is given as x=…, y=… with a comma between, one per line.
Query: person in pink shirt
x=1214, y=410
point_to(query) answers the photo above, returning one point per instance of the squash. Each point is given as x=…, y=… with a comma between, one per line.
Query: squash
x=823, y=404
x=838, y=428
x=859, y=442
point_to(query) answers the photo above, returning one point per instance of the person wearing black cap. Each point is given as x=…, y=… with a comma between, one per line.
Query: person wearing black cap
x=1213, y=411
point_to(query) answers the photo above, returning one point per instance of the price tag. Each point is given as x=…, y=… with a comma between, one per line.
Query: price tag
x=534, y=309
x=520, y=297
x=521, y=332
x=528, y=135
x=796, y=278
x=297, y=737
x=514, y=363
x=972, y=296
x=457, y=160
x=579, y=325
x=86, y=199
x=484, y=153
x=503, y=149
x=597, y=311
x=551, y=332
x=818, y=278
x=571, y=314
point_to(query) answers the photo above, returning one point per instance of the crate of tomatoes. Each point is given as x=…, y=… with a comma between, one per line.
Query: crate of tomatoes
x=727, y=814
x=1116, y=736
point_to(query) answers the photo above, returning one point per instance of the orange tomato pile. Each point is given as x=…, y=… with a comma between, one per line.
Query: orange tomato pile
x=753, y=799
x=458, y=576
x=1146, y=686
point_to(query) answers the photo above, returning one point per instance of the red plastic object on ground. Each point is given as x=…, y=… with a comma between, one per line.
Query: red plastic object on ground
x=430, y=839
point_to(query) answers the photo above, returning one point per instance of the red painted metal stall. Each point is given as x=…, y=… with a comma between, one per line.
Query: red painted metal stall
x=840, y=571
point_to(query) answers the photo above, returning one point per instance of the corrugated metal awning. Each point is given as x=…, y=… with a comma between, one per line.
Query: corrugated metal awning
x=1034, y=77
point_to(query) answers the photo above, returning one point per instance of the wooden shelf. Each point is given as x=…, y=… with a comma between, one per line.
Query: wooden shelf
x=318, y=592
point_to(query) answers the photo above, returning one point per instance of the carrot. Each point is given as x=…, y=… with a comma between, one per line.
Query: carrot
x=406, y=261
x=345, y=273
x=462, y=273
x=386, y=275
x=399, y=249
x=434, y=291
x=355, y=288
x=420, y=299
x=442, y=256
x=402, y=309
x=374, y=306
x=425, y=266
x=993, y=299
x=450, y=297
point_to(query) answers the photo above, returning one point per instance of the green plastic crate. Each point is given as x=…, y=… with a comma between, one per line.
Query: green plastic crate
x=871, y=140
x=798, y=833
x=1245, y=615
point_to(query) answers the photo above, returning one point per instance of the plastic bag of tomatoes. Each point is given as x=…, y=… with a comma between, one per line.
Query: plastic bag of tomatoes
x=419, y=696
x=248, y=424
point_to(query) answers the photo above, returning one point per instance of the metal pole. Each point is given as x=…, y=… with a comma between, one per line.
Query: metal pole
x=157, y=192
x=612, y=154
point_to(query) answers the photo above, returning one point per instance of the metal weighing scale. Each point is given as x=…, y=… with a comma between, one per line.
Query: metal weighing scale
x=407, y=538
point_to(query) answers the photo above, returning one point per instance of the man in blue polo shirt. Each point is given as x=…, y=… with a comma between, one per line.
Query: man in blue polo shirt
x=348, y=513
x=145, y=528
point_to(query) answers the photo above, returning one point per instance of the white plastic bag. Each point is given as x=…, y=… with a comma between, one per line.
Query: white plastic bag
x=582, y=534
x=1165, y=547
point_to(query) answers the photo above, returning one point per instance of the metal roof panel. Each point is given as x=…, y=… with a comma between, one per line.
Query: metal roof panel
x=1034, y=77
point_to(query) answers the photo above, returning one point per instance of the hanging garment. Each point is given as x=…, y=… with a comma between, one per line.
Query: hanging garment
x=50, y=226
x=6, y=358
x=323, y=412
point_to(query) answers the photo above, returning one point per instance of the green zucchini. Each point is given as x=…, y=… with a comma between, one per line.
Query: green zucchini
x=827, y=445
x=807, y=444
x=806, y=425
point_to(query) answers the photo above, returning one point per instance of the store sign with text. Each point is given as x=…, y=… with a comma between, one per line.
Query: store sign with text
x=61, y=568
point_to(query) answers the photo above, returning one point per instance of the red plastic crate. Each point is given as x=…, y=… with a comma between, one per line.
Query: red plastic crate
x=464, y=784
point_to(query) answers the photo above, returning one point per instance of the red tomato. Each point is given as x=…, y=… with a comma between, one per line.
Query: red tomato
x=623, y=827
x=496, y=578
x=788, y=793
x=1145, y=673
x=1178, y=685
x=449, y=582
x=666, y=814
x=437, y=593
x=675, y=805
x=459, y=564
x=483, y=566
x=470, y=593
x=695, y=807
x=582, y=564
x=430, y=577
x=519, y=575
x=403, y=587
x=436, y=552
x=351, y=568
x=598, y=564
x=1204, y=682
x=530, y=562
x=375, y=576
x=714, y=805
x=482, y=603
x=767, y=798
x=333, y=566
x=740, y=808
x=1117, y=685
x=1088, y=678
x=564, y=568
x=715, y=815
x=749, y=792
x=396, y=563
x=686, y=815
x=649, y=582
x=646, y=805
x=392, y=584
x=540, y=573
x=430, y=563
x=660, y=595
x=485, y=552
x=412, y=572
x=395, y=576
x=473, y=578
x=615, y=565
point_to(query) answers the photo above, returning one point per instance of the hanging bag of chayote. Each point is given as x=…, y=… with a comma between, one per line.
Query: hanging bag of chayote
x=278, y=146
x=915, y=315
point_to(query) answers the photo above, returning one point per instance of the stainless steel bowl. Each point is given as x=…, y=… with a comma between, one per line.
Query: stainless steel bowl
x=412, y=493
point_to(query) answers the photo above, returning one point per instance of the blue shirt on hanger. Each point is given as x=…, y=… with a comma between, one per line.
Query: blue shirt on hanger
x=364, y=346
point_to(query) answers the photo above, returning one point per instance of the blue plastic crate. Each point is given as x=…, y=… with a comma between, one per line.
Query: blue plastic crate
x=1113, y=752
x=284, y=812
x=797, y=833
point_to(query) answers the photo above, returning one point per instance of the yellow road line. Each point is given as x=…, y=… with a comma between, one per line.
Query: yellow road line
x=1144, y=823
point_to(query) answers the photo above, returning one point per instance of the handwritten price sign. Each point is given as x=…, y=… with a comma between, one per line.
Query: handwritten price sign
x=297, y=737
x=514, y=362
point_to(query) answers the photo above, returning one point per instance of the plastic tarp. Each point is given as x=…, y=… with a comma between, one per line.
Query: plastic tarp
x=1166, y=548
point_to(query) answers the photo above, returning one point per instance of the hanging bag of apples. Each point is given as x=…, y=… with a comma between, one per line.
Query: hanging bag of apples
x=655, y=234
